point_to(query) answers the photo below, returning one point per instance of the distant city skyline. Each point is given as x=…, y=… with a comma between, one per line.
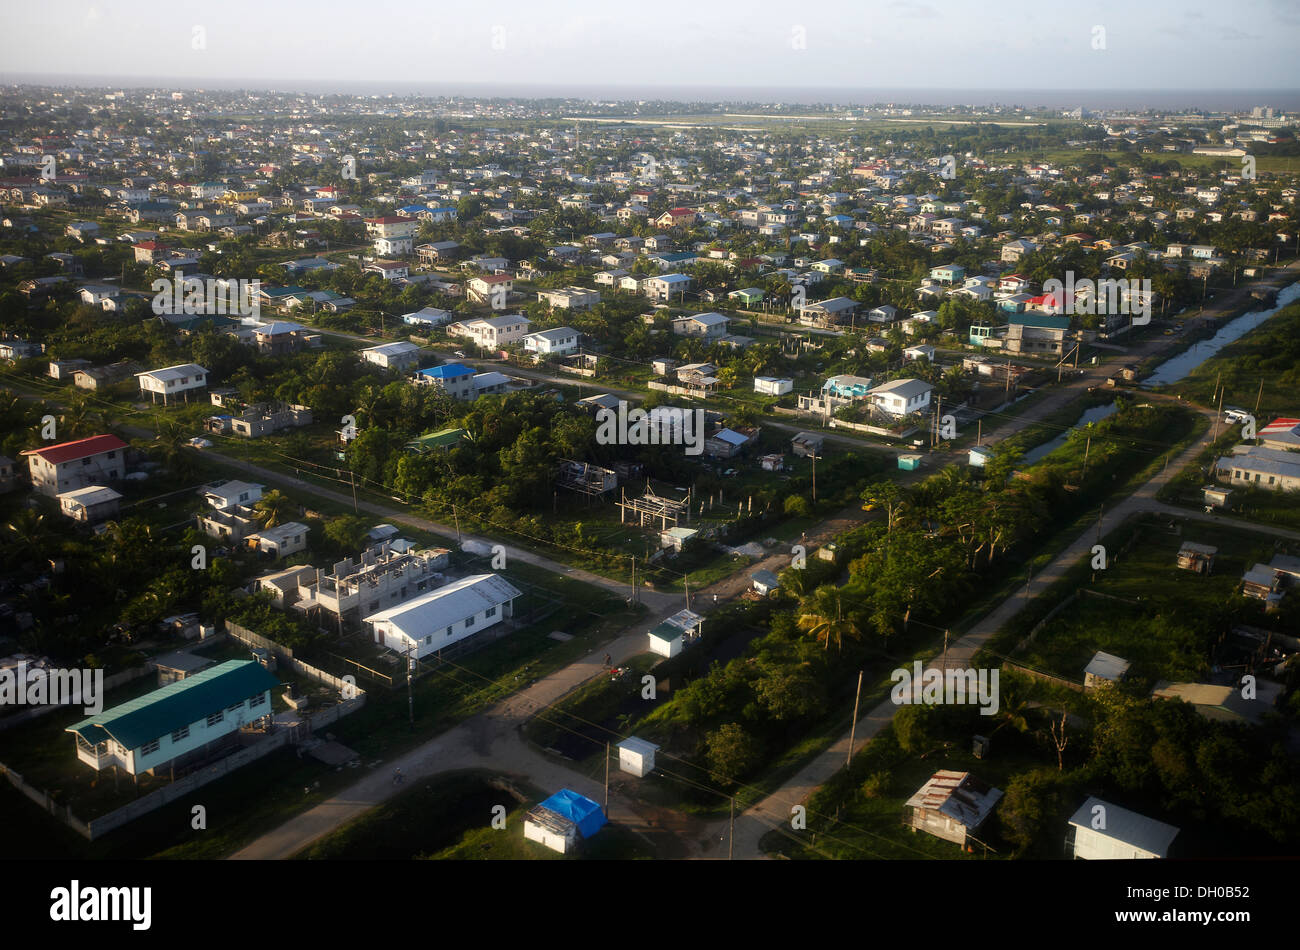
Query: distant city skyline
x=1048, y=45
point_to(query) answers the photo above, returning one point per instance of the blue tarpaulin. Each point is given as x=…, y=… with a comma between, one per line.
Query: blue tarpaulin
x=579, y=809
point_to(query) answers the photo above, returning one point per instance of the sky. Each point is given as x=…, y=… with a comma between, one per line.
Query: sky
x=870, y=44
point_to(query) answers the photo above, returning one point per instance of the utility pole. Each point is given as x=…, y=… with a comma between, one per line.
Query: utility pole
x=814, y=461
x=1086, y=448
x=979, y=432
x=410, y=695
x=606, y=781
x=456, y=516
x=1218, y=414
x=731, y=835
x=1259, y=395
x=945, y=649
x=353, y=478
x=854, y=727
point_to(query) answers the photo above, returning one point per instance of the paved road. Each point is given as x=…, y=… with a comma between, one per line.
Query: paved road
x=491, y=740
x=775, y=810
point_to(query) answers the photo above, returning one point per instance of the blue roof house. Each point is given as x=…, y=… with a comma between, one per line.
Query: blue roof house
x=563, y=820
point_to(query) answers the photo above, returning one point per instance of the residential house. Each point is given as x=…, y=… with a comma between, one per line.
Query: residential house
x=952, y=806
x=1100, y=831
x=427, y=624
x=902, y=397
x=172, y=381
x=559, y=341
x=82, y=463
x=397, y=356
x=184, y=721
x=492, y=332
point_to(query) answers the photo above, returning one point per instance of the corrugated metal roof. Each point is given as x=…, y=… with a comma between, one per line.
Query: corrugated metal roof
x=177, y=704
x=447, y=605
x=959, y=795
x=1145, y=834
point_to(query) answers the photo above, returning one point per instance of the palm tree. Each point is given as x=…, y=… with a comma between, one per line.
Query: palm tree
x=26, y=535
x=822, y=616
x=273, y=509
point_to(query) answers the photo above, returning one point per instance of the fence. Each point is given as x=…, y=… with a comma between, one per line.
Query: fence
x=42, y=798
x=257, y=640
x=97, y=827
x=1014, y=667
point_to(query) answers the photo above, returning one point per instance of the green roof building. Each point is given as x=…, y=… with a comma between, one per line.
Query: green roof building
x=181, y=720
x=444, y=439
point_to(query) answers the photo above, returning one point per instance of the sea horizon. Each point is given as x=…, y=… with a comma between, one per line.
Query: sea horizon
x=1132, y=99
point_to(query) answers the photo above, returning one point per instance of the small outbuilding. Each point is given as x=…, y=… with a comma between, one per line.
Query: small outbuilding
x=951, y=805
x=678, y=631
x=764, y=582
x=1104, y=668
x=563, y=820
x=1197, y=557
x=636, y=756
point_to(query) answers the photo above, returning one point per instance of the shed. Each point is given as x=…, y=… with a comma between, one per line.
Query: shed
x=1104, y=668
x=1215, y=497
x=951, y=805
x=979, y=456
x=909, y=463
x=636, y=756
x=177, y=666
x=765, y=582
x=561, y=820
x=676, y=538
x=1197, y=557
x=669, y=637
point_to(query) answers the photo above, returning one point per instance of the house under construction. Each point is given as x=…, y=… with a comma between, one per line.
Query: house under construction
x=654, y=511
x=586, y=478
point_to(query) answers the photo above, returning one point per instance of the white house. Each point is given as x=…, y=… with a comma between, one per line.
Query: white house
x=702, y=324
x=1102, y=831
x=172, y=381
x=280, y=541
x=398, y=356
x=773, y=385
x=570, y=298
x=232, y=494
x=558, y=341
x=445, y=616
x=679, y=630
x=427, y=317
x=492, y=332
x=55, y=469
x=179, y=722
x=922, y=351
x=902, y=397
x=91, y=504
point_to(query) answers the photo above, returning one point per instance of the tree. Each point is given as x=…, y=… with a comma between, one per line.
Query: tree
x=1033, y=809
x=788, y=692
x=274, y=508
x=822, y=616
x=730, y=752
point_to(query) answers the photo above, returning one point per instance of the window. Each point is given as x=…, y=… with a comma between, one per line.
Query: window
x=181, y=733
x=149, y=747
x=449, y=631
x=428, y=640
x=215, y=718
x=469, y=622
x=490, y=612
x=113, y=454
x=231, y=709
x=257, y=700
x=85, y=461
